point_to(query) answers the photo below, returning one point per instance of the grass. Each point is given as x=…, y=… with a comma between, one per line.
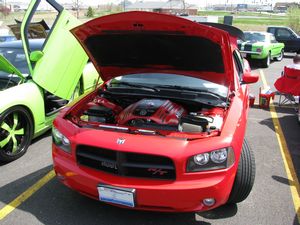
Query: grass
x=260, y=22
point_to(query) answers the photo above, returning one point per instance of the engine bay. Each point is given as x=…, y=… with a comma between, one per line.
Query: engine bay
x=149, y=115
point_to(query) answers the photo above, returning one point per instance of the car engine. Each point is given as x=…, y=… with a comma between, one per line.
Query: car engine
x=151, y=114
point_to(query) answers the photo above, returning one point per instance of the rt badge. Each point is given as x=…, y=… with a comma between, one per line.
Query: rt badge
x=120, y=141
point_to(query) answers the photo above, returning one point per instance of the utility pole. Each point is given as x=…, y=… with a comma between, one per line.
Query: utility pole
x=124, y=5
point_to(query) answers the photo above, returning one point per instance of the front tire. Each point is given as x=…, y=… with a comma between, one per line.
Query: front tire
x=267, y=61
x=280, y=57
x=245, y=175
x=16, y=131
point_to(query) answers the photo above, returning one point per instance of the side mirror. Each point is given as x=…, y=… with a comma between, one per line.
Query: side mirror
x=36, y=56
x=249, y=78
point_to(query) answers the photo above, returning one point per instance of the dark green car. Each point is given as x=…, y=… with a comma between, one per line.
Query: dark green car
x=262, y=47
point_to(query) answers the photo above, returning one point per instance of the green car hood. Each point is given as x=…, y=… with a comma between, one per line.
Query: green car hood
x=6, y=66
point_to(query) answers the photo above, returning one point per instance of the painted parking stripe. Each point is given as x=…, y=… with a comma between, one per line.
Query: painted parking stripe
x=285, y=153
x=25, y=195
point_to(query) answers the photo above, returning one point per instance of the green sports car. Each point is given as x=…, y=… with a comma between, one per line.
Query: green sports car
x=262, y=47
x=37, y=79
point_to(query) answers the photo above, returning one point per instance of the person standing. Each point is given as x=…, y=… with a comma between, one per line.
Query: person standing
x=296, y=62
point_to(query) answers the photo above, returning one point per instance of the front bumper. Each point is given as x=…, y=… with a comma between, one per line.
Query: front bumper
x=254, y=55
x=184, y=195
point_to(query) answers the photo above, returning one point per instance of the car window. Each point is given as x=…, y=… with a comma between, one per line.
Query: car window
x=272, y=38
x=255, y=37
x=43, y=24
x=271, y=30
x=16, y=56
x=239, y=63
x=283, y=33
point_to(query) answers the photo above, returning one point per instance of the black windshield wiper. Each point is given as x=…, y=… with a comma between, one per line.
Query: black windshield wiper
x=198, y=91
x=122, y=83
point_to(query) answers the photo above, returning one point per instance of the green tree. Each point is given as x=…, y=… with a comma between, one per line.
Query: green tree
x=293, y=15
x=90, y=13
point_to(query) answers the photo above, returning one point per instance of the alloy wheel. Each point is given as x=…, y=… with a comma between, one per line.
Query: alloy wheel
x=15, y=133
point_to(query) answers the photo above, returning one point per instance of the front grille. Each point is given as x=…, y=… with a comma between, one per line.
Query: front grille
x=126, y=163
x=248, y=47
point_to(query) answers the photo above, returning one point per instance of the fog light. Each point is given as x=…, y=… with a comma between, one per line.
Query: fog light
x=209, y=201
x=60, y=177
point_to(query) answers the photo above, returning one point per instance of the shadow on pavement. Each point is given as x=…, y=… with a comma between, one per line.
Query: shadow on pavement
x=10, y=191
x=225, y=211
x=3, y=163
x=296, y=220
x=56, y=204
x=291, y=130
x=289, y=55
x=282, y=180
x=47, y=134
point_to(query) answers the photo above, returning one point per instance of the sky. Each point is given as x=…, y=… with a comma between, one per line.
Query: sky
x=199, y=3
x=195, y=2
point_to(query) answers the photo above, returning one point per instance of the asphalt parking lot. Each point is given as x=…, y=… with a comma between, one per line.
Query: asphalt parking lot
x=273, y=134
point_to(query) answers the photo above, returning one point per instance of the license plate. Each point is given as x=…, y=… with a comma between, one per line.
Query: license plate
x=116, y=195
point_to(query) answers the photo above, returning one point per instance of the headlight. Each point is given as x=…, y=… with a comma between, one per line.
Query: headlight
x=219, y=156
x=201, y=159
x=218, y=159
x=60, y=140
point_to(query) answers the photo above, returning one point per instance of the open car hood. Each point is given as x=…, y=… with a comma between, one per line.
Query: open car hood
x=6, y=66
x=144, y=42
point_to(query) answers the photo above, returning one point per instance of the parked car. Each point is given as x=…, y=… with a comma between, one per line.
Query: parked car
x=6, y=38
x=287, y=36
x=166, y=130
x=262, y=47
x=37, y=79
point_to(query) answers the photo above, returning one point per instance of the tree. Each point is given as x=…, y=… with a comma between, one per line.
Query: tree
x=76, y=7
x=293, y=15
x=90, y=13
x=4, y=10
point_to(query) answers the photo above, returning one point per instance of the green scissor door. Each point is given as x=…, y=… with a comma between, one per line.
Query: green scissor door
x=59, y=69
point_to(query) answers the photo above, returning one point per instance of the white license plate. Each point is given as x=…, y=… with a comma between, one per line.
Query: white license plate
x=116, y=195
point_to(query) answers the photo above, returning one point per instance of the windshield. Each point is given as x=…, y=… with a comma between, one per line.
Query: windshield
x=160, y=80
x=15, y=56
x=255, y=37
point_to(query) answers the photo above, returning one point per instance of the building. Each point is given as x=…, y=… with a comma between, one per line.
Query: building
x=176, y=7
x=283, y=6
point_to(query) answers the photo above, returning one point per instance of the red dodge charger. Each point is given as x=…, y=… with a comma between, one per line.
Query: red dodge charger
x=165, y=131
